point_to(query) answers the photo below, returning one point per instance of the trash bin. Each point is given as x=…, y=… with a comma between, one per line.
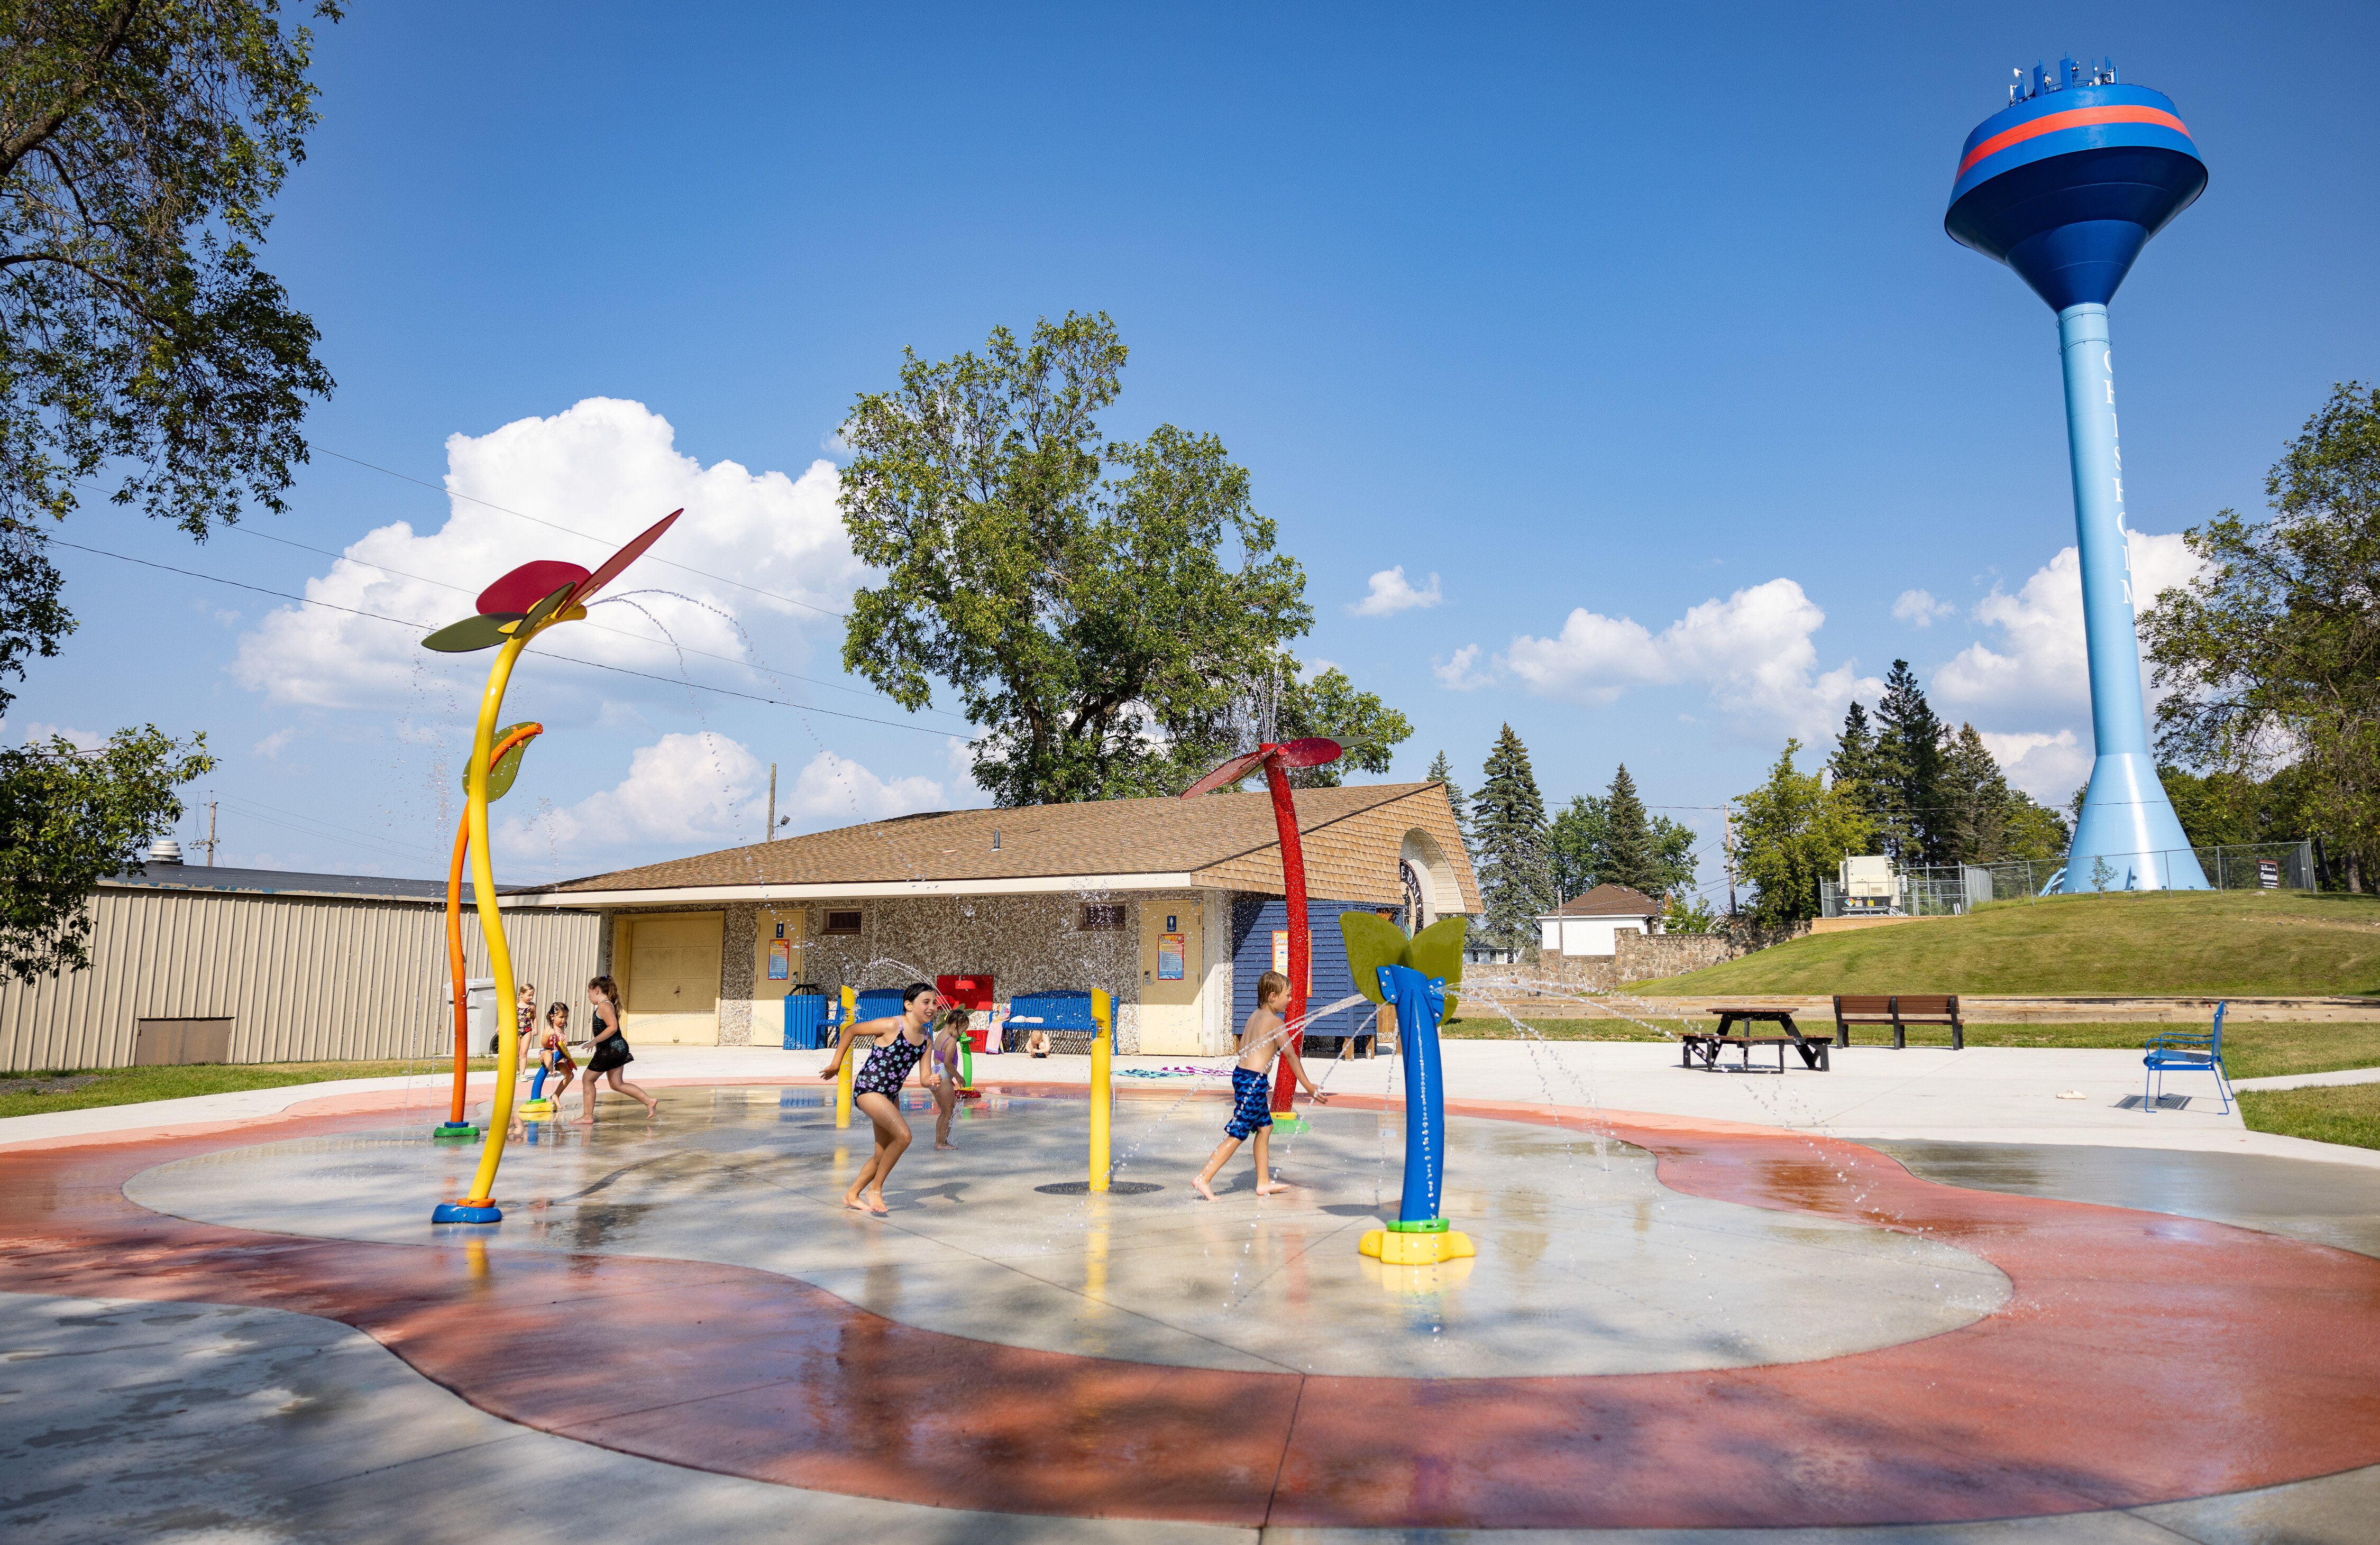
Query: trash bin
x=805, y=1009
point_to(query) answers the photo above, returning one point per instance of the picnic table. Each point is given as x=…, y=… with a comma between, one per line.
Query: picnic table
x=1707, y=1045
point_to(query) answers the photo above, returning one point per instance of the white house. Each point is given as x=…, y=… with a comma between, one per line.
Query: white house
x=1590, y=924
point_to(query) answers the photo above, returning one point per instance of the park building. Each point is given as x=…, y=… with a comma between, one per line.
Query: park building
x=1173, y=907
x=196, y=963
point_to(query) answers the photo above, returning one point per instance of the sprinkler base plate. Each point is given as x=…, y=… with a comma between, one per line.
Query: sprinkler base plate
x=1115, y=1188
x=463, y=1212
x=1394, y=1248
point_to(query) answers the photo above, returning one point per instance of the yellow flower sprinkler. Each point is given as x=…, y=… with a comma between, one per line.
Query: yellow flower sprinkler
x=513, y=610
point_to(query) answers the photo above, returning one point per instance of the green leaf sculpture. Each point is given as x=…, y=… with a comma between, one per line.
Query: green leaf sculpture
x=506, y=768
x=483, y=632
x=1373, y=941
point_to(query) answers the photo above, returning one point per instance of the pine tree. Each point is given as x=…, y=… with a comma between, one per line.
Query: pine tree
x=1629, y=858
x=1508, y=819
x=1906, y=789
x=1442, y=773
x=1977, y=800
x=1854, y=759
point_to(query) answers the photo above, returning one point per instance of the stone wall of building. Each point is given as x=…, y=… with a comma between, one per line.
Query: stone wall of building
x=1027, y=943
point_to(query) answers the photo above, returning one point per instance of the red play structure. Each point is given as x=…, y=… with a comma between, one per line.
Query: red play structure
x=1313, y=751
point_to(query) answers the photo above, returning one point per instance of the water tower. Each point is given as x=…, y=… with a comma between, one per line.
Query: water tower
x=2066, y=185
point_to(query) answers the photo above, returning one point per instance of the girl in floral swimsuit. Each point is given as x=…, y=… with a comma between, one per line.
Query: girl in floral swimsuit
x=900, y=1040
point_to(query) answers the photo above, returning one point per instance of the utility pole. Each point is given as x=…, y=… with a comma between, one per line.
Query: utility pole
x=769, y=836
x=1726, y=849
x=210, y=843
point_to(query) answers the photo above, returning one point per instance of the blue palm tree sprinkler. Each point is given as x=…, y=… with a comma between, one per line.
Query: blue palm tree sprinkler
x=2066, y=185
x=1420, y=1235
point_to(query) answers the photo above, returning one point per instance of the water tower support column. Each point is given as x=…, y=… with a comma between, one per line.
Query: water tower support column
x=2127, y=819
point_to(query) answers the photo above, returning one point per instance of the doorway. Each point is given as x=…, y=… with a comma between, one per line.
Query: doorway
x=1172, y=955
x=673, y=985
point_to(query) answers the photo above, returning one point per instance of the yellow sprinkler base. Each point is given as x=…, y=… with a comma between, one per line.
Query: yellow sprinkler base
x=1391, y=1248
x=537, y=1110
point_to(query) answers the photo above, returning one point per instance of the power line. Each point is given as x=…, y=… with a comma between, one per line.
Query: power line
x=621, y=632
x=555, y=526
x=567, y=659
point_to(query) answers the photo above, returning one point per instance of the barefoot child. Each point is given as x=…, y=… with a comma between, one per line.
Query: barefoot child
x=899, y=1041
x=553, y=1052
x=949, y=1033
x=611, y=1052
x=1266, y=1036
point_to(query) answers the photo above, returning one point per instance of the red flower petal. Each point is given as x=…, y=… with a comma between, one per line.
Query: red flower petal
x=528, y=584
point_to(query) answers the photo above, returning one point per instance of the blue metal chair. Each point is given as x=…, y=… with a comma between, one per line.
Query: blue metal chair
x=2186, y=1052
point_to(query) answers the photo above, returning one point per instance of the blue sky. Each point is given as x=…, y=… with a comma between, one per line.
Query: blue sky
x=1639, y=333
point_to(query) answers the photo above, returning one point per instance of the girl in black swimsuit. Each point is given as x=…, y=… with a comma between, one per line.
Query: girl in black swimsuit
x=611, y=1052
x=900, y=1042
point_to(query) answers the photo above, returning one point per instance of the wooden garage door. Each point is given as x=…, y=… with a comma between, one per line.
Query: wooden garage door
x=673, y=982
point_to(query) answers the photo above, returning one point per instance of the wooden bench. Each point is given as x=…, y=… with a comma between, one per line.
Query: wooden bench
x=1900, y=1010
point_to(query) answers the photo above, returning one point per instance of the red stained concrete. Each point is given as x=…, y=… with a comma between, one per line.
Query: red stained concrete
x=2139, y=1358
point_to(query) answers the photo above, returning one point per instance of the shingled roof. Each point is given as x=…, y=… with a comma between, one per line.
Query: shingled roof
x=1352, y=836
x=1608, y=899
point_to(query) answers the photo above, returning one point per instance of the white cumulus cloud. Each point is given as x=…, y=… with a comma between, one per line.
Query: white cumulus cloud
x=82, y=740
x=691, y=793
x=2047, y=767
x=1459, y=673
x=2038, y=663
x=606, y=469
x=1391, y=592
x=1918, y=608
x=1753, y=652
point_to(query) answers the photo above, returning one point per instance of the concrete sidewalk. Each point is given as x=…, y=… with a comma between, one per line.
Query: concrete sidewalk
x=1981, y=1094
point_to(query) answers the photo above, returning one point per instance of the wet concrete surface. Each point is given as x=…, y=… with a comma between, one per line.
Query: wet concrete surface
x=1588, y=1263
x=2324, y=1203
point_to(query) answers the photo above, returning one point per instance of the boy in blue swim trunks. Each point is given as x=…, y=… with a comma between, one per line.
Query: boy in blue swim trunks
x=1266, y=1037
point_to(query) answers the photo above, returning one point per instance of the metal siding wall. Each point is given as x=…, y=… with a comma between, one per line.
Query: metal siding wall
x=1254, y=918
x=302, y=978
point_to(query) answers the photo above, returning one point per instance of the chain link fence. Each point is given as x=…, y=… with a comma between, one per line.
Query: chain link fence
x=1940, y=890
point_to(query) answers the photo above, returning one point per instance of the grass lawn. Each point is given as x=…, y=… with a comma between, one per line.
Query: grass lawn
x=24, y=1094
x=2348, y=1114
x=2257, y=944
x=2250, y=1051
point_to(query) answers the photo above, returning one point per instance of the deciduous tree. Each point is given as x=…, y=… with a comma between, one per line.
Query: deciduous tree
x=70, y=817
x=1103, y=607
x=143, y=351
x=2273, y=652
x=1790, y=833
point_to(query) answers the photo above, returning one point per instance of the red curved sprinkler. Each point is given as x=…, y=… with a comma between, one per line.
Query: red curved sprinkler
x=1312, y=752
x=455, y=1126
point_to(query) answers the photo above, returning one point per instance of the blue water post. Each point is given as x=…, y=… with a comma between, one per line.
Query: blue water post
x=1421, y=1002
x=1421, y=1235
x=2066, y=185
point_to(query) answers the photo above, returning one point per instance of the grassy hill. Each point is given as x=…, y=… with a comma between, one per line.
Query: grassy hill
x=2252, y=944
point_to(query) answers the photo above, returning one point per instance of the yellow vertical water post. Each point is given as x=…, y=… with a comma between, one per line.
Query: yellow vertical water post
x=1103, y=1018
x=500, y=958
x=842, y=1080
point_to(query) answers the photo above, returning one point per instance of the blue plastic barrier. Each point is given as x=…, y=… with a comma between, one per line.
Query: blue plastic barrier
x=805, y=1021
x=1060, y=1011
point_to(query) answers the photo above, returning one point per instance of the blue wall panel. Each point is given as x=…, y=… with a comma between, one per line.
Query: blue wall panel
x=1254, y=919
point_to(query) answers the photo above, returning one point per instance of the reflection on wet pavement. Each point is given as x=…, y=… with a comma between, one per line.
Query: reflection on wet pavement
x=1586, y=1263
x=2305, y=1199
